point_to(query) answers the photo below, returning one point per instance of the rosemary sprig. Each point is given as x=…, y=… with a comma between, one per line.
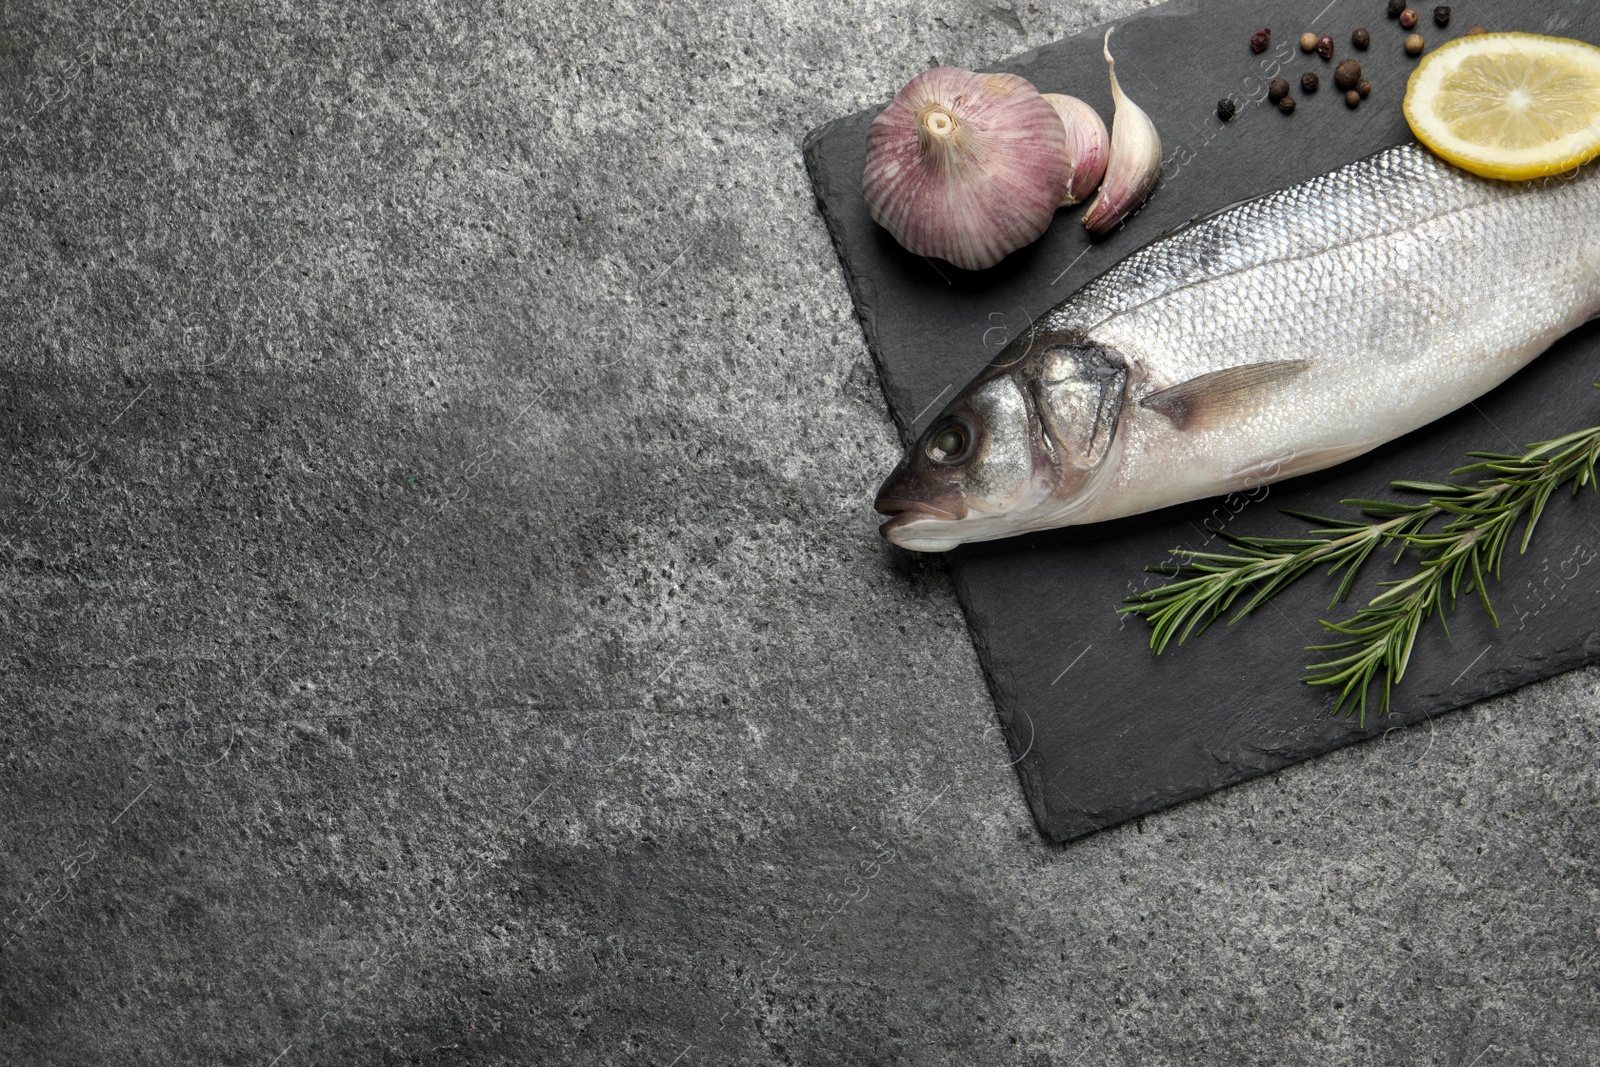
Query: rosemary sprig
x=1455, y=558
x=1211, y=582
x=1377, y=640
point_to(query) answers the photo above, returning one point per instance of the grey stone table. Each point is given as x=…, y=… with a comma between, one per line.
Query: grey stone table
x=443, y=622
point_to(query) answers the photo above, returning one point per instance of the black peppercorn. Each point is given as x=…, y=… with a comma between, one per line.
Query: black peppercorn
x=1361, y=39
x=1286, y=105
x=1325, y=46
x=1226, y=109
x=1441, y=16
x=1347, y=74
x=1395, y=7
x=1309, y=83
x=1352, y=100
x=1277, y=90
x=1408, y=17
x=1364, y=87
x=1260, y=39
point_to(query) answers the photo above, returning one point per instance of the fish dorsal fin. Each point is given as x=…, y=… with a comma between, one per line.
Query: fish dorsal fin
x=1211, y=399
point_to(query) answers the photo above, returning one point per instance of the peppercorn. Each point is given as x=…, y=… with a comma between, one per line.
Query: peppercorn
x=1408, y=17
x=1441, y=16
x=1364, y=87
x=1260, y=39
x=1346, y=74
x=1361, y=39
x=1325, y=46
x=1395, y=7
x=1352, y=100
x=1226, y=109
x=1286, y=105
x=1277, y=90
x=1309, y=83
x=1414, y=44
x=1476, y=31
x=1308, y=41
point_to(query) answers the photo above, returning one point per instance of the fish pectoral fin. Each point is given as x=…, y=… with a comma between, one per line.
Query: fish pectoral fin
x=1209, y=400
x=1295, y=462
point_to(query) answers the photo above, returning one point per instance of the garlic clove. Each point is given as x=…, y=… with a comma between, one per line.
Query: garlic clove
x=1088, y=146
x=966, y=167
x=1135, y=162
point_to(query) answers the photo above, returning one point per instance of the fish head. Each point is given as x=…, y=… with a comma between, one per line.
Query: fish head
x=968, y=473
x=1025, y=439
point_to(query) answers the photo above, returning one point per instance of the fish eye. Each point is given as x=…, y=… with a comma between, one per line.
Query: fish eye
x=950, y=443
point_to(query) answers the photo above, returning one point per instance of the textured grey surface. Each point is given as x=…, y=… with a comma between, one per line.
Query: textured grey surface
x=444, y=624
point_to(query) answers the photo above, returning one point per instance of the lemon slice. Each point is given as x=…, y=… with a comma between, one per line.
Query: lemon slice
x=1508, y=105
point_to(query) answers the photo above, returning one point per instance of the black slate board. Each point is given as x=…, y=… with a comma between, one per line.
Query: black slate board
x=1100, y=730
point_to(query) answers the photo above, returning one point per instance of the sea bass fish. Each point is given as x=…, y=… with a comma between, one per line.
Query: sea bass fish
x=1277, y=337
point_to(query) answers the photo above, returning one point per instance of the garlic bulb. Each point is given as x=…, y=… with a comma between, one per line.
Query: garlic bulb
x=1088, y=146
x=1135, y=160
x=966, y=167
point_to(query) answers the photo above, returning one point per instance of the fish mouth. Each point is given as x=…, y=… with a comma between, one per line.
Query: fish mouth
x=903, y=513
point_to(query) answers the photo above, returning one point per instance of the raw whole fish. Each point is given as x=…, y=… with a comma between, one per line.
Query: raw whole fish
x=1279, y=336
